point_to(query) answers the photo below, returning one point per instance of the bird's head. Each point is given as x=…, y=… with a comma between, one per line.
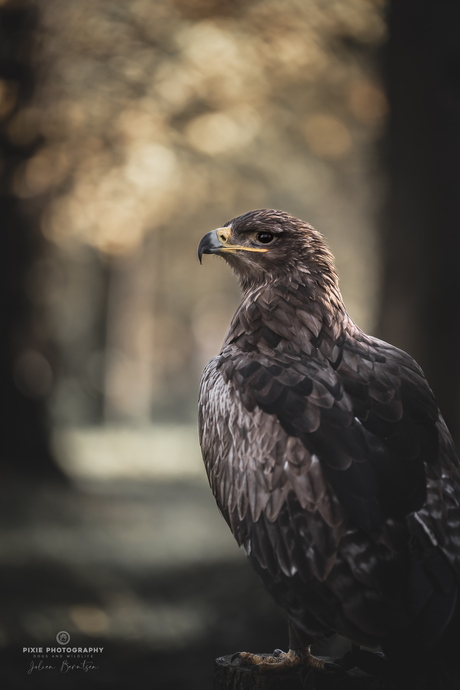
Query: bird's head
x=266, y=245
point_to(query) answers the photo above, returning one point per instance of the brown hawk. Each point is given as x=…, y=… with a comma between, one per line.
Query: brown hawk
x=326, y=452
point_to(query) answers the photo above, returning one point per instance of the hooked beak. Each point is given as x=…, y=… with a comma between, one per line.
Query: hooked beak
x=216, y=242
x=209, y=244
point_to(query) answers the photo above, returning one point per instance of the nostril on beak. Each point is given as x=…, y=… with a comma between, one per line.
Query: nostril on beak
x=223, y=235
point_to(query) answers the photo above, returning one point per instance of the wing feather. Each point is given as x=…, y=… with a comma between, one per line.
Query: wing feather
x=328, y=456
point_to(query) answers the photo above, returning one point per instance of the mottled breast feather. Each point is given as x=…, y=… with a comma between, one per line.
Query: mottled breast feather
x=328, y=456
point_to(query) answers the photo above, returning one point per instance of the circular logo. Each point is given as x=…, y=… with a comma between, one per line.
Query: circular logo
x=63, y=637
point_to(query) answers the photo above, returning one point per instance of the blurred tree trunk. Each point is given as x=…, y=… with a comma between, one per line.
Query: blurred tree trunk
x=421, y=228
x=25, y=372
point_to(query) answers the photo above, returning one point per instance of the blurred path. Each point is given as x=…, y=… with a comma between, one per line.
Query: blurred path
x=135, y=559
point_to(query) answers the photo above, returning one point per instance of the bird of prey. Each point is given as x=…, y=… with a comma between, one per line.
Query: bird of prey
x=327, y=453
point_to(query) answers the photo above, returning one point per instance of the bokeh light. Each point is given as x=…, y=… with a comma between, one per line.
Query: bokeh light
x=161, y=121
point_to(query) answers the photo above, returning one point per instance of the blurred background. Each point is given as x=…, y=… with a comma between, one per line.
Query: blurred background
x=128, y=131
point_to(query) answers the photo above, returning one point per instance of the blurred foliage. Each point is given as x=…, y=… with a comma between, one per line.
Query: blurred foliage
x=162, y=120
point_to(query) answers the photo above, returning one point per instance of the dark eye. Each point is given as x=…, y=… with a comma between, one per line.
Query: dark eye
x=264, y=237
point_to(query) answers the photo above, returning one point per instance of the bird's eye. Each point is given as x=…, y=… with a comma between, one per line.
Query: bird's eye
x=264, y=237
